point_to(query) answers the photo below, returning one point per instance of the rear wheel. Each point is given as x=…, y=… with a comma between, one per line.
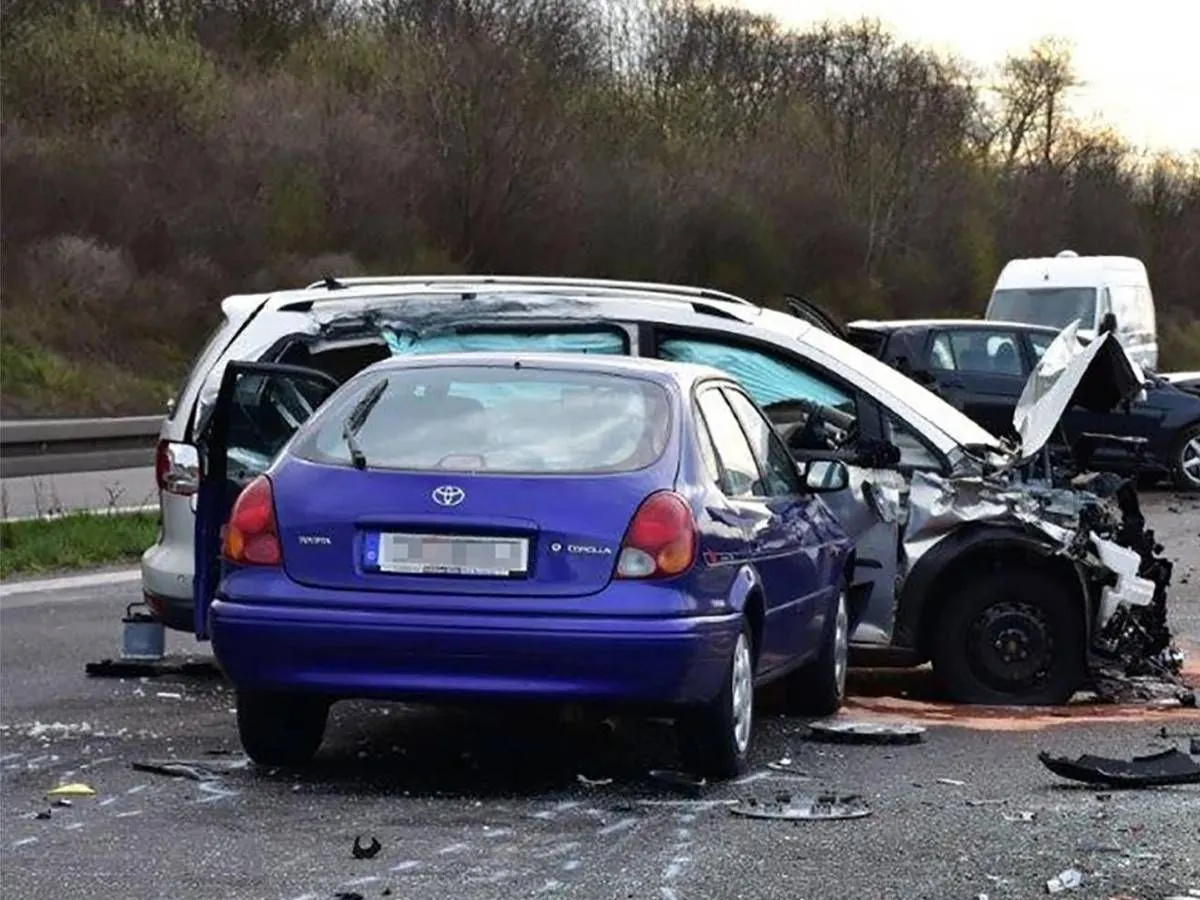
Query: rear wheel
x=283, y=730
x=1011, y=638
x=819, y=689
x=714, y=741
x=1185, y=460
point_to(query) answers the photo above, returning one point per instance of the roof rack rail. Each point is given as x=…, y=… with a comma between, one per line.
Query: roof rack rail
x=677, y=290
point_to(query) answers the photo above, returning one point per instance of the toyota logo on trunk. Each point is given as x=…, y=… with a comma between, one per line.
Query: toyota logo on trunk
x=448, y=495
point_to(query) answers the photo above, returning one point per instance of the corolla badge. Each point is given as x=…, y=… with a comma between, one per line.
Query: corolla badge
x=448, y=495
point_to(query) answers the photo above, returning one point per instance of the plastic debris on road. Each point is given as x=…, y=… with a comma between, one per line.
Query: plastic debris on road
x=821, y=807
x=366, y=851
x=76, y=789
x=1169, y=767
x=1067, y=880
x=866, y=732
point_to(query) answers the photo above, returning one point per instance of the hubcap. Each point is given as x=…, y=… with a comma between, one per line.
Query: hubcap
x=1189, y=460
x=743, y=693
x=841, y=645
x=1011, y=646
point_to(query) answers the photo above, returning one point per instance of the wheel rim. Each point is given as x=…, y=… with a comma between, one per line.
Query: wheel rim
x=841, y=645
x=743, y=694
x=1011, y=647
x=1189, y=460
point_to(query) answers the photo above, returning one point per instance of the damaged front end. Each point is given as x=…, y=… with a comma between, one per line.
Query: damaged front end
x=1093, y=520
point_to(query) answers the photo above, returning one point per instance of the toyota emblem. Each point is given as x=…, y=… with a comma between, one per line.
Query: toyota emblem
x=448, y=495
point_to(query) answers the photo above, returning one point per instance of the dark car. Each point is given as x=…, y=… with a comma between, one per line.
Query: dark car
x=981, y=368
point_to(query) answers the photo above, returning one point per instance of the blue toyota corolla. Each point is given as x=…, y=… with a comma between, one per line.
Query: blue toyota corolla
x=579, y=529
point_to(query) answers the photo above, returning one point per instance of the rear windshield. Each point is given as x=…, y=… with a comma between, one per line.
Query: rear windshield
x=1054, y=307
x=497, y=419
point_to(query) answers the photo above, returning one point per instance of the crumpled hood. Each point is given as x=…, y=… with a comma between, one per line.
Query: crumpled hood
x=1098, y=375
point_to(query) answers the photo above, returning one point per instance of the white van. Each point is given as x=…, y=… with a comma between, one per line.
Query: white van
x=1056, y=290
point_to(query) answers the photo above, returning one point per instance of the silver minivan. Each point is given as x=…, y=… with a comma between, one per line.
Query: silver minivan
x=939, y=509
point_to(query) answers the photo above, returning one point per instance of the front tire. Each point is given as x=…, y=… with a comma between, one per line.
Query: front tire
x=1011, y=639
x=819, y=688
x=281, y=730
x=1185, y=460
x=714, y=741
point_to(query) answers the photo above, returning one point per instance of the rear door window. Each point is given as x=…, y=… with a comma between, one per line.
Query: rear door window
x=740, y=474
x=777, y=465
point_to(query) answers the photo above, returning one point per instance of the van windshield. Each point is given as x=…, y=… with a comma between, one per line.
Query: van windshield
x=1055, y=307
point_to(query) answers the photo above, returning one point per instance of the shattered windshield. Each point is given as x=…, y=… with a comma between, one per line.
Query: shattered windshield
x=1054, y=307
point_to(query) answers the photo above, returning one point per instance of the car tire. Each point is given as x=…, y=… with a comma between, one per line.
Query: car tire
x=280, y=729
x=715, y=740
x=1185, y=460
x=819, y=687
x=1011, y=638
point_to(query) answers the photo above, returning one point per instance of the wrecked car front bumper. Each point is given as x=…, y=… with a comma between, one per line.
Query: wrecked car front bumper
x=1095, y=523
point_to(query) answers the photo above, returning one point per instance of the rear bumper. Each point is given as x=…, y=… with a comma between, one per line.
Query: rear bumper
x=167, y=584
x=438, y=656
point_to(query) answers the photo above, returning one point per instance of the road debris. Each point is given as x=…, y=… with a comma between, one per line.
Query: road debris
x=820, y=807
x=75, y=789
x=1067, y=880
x=788, y=765
x=1169, y=767
x=866, y=732
x=42, y=814
x=196, y=770
x=119, y=668
x=366, y=851
x=593, y=782
x=1023, y=816
x=951, y=781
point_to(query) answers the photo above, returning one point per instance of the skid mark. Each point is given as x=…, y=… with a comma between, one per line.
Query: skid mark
x=454, y=848
x=24, y=842
x=359, y=882
x=407, y=866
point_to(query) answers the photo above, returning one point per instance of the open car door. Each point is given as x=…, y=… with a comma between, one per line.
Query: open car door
x=258, y=408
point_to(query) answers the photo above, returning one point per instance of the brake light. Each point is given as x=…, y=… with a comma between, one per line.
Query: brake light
x=162, y=463
x=251, y=537
x=661, y=540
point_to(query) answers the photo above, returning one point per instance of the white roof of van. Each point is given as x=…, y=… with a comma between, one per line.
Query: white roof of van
x=1068, y=271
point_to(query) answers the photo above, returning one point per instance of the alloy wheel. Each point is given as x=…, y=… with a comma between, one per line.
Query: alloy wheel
x=742, y=693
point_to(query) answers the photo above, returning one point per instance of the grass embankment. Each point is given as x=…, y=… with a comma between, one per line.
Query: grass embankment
x=74, y=541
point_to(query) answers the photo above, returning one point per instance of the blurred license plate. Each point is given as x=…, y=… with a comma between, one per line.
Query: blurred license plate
x=436, y=554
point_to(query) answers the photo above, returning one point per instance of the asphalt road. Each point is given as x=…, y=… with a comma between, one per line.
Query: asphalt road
x=42, y=494
x=490, y=806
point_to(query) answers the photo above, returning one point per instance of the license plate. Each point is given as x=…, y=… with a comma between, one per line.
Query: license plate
x=438, y=554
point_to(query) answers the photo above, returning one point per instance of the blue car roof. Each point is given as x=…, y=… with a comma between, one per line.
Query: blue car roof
x=680, y=373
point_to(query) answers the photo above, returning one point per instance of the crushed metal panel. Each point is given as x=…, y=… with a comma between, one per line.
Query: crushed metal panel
x=1098, y=375
x=1169, y=767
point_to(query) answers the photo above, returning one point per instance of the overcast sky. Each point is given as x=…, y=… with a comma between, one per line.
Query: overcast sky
x=1140, y=60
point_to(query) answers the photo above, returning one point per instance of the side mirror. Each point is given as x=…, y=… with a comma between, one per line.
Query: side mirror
x=180, y=468
x=826, y=475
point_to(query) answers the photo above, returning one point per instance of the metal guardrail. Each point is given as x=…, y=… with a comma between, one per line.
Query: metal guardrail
x=57, y=446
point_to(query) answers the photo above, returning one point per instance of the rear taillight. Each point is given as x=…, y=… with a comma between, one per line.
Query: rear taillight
x=251, y=537
x=661, y=540
x=177, y=468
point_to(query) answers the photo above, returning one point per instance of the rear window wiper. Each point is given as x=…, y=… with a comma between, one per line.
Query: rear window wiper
x=355, y=421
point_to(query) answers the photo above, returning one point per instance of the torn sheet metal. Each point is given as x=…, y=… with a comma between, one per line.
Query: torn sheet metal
x=1095, y=521
x=1170, y=767
x=1098, y=376
x=822, y=807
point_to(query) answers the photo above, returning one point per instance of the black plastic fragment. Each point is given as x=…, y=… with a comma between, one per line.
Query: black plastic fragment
x=119, y=668
x=366, y=851
x=681, y=782
x=348, y=895
x=821, y=807
x=866, y=733
x=1169, y=767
